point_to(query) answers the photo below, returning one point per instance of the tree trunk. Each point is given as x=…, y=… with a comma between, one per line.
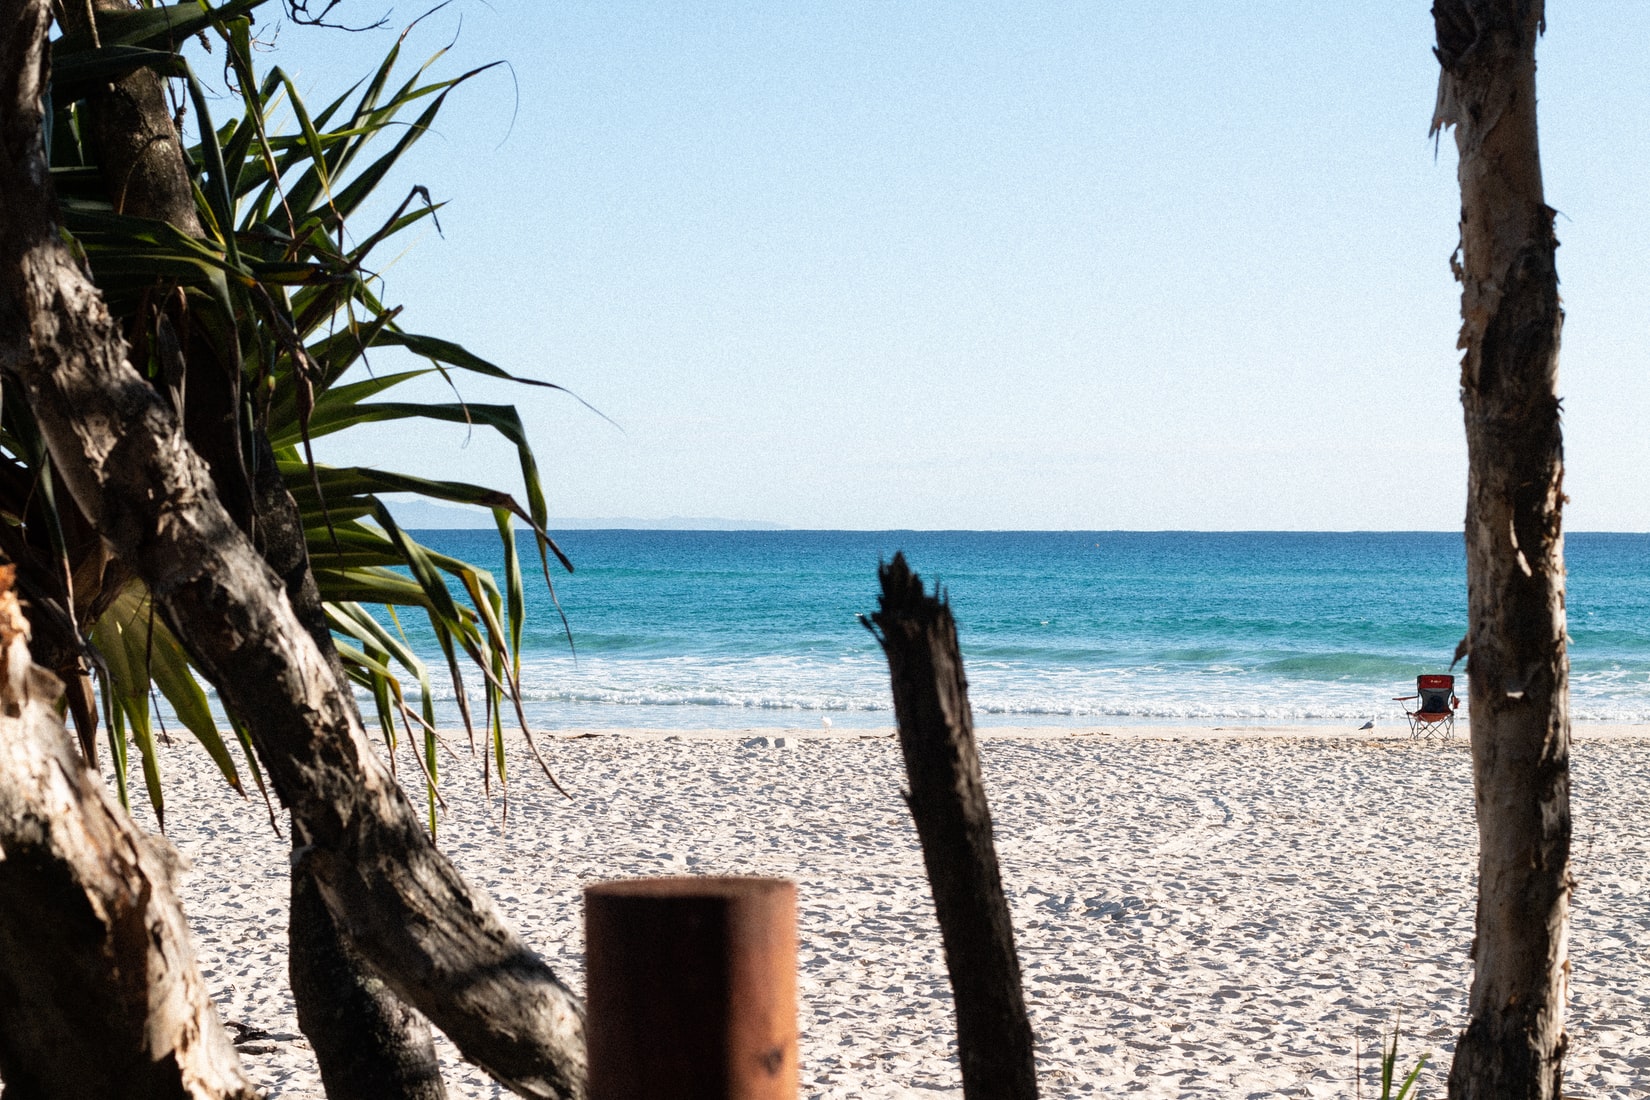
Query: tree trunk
x=120, y=452
x=139, y=152
x=366, y=1041
x=140, y=159
x=1514, y=1043
x=379, y=1043
x=947, y=800
x=100, y=994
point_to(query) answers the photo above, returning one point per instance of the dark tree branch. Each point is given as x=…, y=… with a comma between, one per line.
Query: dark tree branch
x=947, y=800
x=368, y=1044
x=138, y=149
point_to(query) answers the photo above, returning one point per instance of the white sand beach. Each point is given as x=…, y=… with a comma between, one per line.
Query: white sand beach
x=1199, y=912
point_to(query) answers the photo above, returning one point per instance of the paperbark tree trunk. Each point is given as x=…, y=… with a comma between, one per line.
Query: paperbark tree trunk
x=947, y=800
x=1514, y=1042
x=121, y=454
x=100, y=993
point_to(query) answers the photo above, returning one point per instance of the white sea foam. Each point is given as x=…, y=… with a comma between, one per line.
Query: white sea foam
x=680, y=629
x=701, y=691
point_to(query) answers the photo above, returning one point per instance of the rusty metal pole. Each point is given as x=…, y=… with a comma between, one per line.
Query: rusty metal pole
x=691, y=989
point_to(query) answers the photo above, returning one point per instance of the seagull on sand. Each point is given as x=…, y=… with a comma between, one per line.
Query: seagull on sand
x=1369, y=725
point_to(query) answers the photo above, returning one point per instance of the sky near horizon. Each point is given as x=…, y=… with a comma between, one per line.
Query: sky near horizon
x=1111, y=265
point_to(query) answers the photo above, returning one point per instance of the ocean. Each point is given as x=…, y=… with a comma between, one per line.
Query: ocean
x=761, y=629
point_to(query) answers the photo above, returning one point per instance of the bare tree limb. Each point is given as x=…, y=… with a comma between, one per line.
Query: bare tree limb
x=947, y=800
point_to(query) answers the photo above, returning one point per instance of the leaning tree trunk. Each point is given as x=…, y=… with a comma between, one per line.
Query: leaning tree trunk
x=936, y=734
x=140, y=157
x=100, y=994
x=368, y=1044
x=1514, y=1043
x=438, y=943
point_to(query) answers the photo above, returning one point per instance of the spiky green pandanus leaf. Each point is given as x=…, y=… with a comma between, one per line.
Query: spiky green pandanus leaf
x=354, y=620
x=339, y=482
x=514, y=587
x=131, y=704
x=280, y=286
x=140, y=650
x=164, y=26
x=115, y=734
x=79, y=72
x=369, y=668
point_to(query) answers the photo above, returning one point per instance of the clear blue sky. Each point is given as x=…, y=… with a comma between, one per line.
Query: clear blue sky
x=1019, y=265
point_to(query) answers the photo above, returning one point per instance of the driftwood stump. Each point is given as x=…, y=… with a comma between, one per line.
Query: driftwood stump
x=947, y=800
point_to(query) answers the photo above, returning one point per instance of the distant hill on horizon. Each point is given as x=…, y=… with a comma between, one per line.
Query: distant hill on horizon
x=423, y=515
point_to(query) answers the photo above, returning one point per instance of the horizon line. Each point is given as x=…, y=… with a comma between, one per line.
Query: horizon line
x=625, y=523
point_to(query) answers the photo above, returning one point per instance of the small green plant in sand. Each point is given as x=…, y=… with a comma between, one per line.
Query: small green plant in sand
x=1389, y=1068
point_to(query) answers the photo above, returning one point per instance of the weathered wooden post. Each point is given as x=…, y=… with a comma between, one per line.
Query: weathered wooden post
x=691, y=989
x=947, y=800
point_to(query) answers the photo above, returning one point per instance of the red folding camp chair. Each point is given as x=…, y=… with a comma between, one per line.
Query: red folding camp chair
x=1435, y=704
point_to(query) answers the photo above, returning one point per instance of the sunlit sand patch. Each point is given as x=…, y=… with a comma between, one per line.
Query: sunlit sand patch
x=1198, y=914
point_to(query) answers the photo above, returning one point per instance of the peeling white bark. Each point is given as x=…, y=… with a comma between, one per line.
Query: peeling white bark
x=1514, y=1043
x=100, y=993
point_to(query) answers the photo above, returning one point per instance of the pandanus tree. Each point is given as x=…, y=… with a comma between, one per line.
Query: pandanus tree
x=177, y=325
x=282, y=297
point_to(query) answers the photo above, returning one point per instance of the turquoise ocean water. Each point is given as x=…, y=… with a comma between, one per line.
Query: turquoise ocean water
x=735, y=629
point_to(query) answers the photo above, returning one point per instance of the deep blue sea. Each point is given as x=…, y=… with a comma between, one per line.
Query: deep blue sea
x=734, y=629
